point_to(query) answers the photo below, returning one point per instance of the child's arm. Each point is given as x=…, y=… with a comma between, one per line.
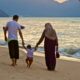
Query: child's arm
x=33, y=49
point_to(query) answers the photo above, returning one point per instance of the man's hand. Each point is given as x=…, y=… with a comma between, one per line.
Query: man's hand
x=3, y=28
x=22, y=27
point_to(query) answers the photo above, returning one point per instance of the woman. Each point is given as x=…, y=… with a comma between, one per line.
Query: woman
x=50, y=46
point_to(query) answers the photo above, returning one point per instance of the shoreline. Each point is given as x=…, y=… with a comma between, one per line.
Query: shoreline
x=39, y=54
x=65, y=69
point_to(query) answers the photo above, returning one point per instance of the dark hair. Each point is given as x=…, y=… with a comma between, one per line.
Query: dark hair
x=15, y=17
x=29, y=46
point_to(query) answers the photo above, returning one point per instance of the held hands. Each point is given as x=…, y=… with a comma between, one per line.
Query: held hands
x=36, y=47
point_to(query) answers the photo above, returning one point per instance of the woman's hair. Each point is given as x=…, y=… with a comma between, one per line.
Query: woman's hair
x=48, y=24
x=29, y=46
x=50, y=32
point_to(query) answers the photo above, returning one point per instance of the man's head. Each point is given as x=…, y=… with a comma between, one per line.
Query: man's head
x=15, y=17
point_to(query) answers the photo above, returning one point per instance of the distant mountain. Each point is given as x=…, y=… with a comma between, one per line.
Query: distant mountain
x=41, y=8
x=3, y=14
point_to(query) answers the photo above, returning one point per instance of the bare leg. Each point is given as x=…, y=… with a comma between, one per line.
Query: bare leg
x=30, y=62
x=13, y=62
x=27, y=61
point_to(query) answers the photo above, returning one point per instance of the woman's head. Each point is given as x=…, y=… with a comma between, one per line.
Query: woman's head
x=48, y=25
x=49, y=31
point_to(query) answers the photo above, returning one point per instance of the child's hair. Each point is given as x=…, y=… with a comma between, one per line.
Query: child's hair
x=29, y=46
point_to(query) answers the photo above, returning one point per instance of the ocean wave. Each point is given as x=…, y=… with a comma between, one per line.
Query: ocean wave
x=69, y=52
x=3, y=43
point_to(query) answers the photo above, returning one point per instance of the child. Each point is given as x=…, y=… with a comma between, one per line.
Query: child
x=29, y=58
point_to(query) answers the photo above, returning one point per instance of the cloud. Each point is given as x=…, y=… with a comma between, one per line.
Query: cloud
x=60, y=1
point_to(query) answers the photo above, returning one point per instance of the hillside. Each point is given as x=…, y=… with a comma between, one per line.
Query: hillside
x=3, y=14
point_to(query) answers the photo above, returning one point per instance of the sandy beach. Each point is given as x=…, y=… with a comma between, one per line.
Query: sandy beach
x=66, y=68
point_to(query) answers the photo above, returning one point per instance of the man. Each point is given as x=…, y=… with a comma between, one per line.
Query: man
x=12, y=27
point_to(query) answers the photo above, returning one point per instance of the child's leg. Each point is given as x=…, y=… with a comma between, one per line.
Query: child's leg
x=27, y=61
x=30, y=62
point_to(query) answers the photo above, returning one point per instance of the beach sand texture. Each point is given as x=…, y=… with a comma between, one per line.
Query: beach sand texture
x=66, y=68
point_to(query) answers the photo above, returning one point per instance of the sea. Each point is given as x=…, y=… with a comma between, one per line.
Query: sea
x=67, y=29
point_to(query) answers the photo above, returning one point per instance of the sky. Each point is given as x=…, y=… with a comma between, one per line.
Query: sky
x=41, y=8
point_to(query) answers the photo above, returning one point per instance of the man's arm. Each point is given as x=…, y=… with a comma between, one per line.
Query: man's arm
x=21, y=36
x=5, y=32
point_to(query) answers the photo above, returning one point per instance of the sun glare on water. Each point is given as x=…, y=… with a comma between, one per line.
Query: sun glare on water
x=60, y=1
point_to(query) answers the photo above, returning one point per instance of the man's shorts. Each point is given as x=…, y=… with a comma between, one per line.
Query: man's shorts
x=13, y=49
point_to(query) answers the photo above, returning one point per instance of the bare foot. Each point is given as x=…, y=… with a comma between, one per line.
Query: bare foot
x=12, y=65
